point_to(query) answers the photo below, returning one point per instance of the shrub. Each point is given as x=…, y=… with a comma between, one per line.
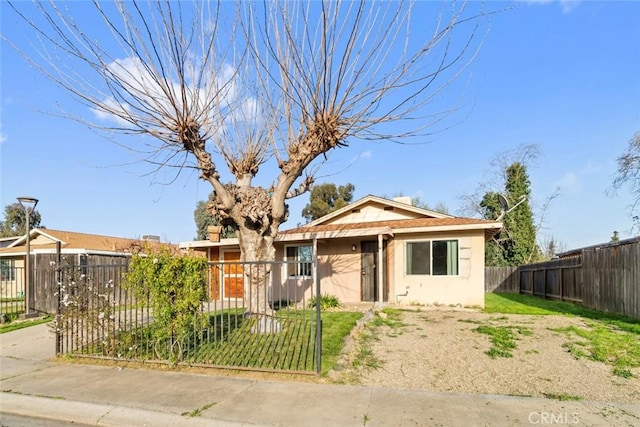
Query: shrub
x=326, y=301
x=175, y=287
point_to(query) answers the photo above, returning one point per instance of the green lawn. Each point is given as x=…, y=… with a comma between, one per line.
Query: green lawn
x=19, y=324
x=335, y=327
x=229, y=339
x=510, y=303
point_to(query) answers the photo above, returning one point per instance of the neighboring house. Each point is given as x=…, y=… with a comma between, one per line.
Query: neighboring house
x=47, y=246
x=375, y=250
x=6, y=241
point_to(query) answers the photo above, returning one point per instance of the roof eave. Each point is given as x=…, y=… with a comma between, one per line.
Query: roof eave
x=334, y=234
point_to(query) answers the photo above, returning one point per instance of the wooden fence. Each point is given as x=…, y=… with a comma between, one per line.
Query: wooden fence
x=501, y=279
x=557, y=279
x=44, y=286
x=604, y=277
x=612, y=278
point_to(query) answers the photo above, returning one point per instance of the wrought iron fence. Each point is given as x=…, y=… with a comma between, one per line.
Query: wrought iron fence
x=12, y=291
x=254, y=316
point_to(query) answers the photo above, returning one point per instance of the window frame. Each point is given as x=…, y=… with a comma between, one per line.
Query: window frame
x=303, y=268
x=8, y=266
x=430, y=272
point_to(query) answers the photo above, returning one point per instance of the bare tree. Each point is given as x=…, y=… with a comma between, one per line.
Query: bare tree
x=507, y=176
x=496, y=177
x=248, y=83
x=629, y=174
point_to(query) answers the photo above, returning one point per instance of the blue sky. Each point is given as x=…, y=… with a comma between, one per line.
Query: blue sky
x=563, y=75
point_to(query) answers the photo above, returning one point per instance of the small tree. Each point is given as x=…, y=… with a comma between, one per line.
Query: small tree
x=15, y=220
x=326, y=198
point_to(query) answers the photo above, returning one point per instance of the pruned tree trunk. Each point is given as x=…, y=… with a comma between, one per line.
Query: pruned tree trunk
x=257, y=252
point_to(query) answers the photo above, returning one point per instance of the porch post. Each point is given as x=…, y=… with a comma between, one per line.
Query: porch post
x=380, y=270
x=314, y=269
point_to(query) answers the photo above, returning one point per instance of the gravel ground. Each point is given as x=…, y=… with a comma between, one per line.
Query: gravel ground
x=438, y=350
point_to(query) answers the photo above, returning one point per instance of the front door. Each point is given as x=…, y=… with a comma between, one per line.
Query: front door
x=368, y=278
x=232, y=275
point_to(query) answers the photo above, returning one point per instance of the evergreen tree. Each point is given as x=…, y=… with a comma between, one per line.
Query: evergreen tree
x=516, y=243
x=14, y=222
x=326, y=198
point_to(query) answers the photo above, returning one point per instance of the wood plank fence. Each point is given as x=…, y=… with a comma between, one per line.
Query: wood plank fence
x=604, y=277
x=501, y=279
x=44, y=279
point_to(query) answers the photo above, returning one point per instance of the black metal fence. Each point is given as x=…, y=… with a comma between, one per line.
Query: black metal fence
x=12, y=292
x=254, y=316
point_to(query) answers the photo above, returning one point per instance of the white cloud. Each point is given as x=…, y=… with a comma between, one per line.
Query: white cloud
x=366, y=154
x=566, y=5
x=3, y=137
x=569, y=182
x=210, y=91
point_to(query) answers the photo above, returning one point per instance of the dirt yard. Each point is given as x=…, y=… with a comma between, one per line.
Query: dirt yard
x=438, y=350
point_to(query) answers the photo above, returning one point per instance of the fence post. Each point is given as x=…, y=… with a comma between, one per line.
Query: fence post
x=58, y=286
x=316, y=282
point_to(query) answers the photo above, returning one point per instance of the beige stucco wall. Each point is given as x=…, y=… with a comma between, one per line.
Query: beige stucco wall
x=338, y=270
x=373, y=212
x=466, y=289
x=13, y=288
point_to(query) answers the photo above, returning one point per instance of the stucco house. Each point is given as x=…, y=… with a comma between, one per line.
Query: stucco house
x=374, y=250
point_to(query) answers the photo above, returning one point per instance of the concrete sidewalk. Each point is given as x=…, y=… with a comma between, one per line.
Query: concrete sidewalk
x=33, y=385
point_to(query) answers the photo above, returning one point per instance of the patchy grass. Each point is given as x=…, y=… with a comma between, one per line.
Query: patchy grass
x=606, y=343
x=391, y=317
x=563, y=397
x=19, y=324
x=607, y=338
x=623, y=373
x=503, y=338
x=198, y=411
x=475, y=322
x=365, y=356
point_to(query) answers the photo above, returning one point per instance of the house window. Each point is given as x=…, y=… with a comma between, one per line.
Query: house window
x=7, y=270
x=435, y=257
x=298, y=260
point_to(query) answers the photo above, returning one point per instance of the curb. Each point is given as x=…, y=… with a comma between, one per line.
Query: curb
x=96, y=414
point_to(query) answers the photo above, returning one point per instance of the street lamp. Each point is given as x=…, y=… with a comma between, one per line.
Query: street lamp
x=29, y=205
